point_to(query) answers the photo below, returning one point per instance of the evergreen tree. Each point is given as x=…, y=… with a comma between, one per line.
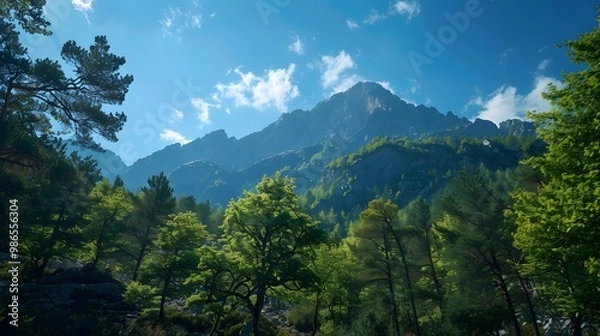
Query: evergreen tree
x=150, y=212
x=476, y=238
x=382, y=252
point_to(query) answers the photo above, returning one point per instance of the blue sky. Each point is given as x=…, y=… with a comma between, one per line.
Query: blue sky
x=203, y=65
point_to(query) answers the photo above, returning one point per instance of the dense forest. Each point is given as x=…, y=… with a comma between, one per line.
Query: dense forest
x=497, y=249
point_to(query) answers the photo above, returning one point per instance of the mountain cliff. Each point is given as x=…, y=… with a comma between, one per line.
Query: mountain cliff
x=365, y=111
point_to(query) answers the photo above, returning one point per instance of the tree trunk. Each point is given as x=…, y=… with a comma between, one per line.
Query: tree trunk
x=436, y=281
x=315, y=321
x=163, y=297
x=39, y=272
x=511, y=307
x=213, y=330
x=257, y=309
x=138, y=261
x=507, y=297
x=390, y=281
x=99, y=243
x=576, y=322
x=408, y=283
x=530, y=307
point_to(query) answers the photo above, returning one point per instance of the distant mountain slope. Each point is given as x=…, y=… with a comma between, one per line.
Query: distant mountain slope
x=109, y=163
x=363, y=112
x=409, y=169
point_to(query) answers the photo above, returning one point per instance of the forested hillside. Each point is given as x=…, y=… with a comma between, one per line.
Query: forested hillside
x=446, y=232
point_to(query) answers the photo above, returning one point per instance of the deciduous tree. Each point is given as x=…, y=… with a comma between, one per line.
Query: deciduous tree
x=558, y=221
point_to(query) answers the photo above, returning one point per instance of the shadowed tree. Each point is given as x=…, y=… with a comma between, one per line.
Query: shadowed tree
x=150, y=212
x=475, y=234
x=382, y=251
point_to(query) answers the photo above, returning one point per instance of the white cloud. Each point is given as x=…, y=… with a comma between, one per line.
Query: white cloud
x=193, y=20
x=543, y=65
x=82, y=5
x=387, y=86
x=534, y=101
x=374, y=17
x=336, y=75
x=274, y=89
x=177, y=116
x=506, y=103
x=410, y=101
x=297, y=46
x=176, y=20
x=173, y=137
x=171, y=16
x=203, y=107
x=347, y=82
x=333, y=67
x=408, y=8
x=352, y=24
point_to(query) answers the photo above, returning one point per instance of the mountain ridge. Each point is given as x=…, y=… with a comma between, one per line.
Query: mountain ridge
x=364, y=111
x=345, y=121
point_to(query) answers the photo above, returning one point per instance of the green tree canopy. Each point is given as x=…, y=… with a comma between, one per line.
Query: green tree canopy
x=35, y=91
x=558, y=221
x=270, y=241
x=175, y=257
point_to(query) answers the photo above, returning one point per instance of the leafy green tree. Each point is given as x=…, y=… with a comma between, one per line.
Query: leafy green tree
x=150, y=212
x=174, y=258
x=215, y=281
x=269, y=242
x=558, y=221
x=335, y=300
x=106, y=219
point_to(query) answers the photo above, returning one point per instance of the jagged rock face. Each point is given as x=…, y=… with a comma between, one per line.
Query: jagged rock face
x=517, y=128
x=364, y=111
